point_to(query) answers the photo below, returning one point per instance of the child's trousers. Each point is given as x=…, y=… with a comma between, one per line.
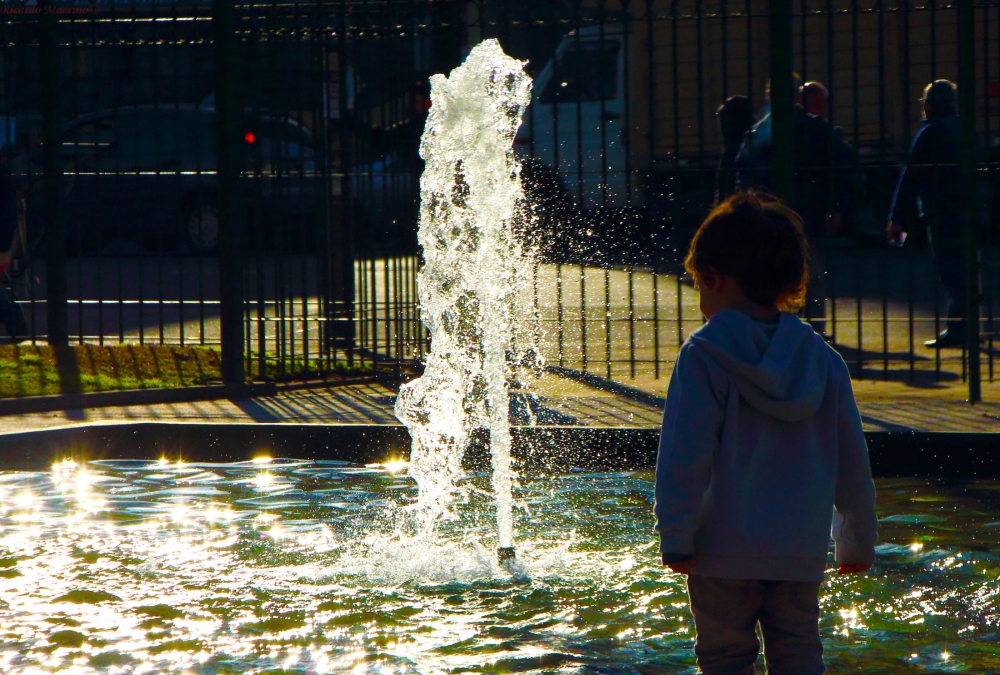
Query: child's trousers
x=726, y=613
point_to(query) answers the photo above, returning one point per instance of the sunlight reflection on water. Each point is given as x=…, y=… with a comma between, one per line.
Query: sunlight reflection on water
x=287, y=566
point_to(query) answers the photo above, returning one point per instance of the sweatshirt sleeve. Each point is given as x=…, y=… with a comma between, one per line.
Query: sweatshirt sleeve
x=692, y=424
x=855, y=525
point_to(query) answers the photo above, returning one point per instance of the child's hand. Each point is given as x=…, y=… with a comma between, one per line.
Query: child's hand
x=682, y=567
x=681, y=563
x=853, y=568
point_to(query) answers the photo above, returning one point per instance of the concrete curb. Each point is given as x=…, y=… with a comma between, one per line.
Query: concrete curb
x=544, y=448
x=548, y=449
x=111, y=399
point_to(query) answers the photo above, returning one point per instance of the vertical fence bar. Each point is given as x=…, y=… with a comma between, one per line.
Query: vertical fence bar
x=782, y=132
x=675, y=82
x=559, y=313
x=834, y=289
x=724, y=48
x=749, y=15
x=680, y=311
x=909, y=313
x=397, y=309
x=536, y=315
x=933, y=30
x=75, y=235
x=339, y=224
x=803, y=35
x=656, y=324
x=55, y=254
x=650, y=90
x=987, y=283
x=885, y=321
x=155, y=129
x=607, y=322
x=580, y=201
x=583, y=315
x=830, y=81
x=882, y=169
x=387, y=306
x=229, y=166
x=603, y=118
x=967, y=166
x=860, y=312
x=700, y=89
x=373, y=295
x=631, y=321
x=362, y=300
x=937, y=330
x=626, y=129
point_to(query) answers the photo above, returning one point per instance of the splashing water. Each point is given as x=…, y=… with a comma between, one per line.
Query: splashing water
x=472, y=283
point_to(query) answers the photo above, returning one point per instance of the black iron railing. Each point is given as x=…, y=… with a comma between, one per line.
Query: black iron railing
x=116, y=111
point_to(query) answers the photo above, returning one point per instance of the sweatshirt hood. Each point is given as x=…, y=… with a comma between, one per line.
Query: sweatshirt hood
x=783, y=375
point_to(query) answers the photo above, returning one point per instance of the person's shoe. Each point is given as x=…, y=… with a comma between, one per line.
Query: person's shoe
x=947, y=338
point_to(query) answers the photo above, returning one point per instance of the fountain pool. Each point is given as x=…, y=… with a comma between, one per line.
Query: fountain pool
x=286, y=566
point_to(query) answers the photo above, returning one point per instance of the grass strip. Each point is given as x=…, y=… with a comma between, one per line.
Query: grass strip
x=41, y=370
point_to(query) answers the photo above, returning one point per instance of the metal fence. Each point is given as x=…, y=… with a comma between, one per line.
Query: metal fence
x=627, y=323
x=181, y=159
x=116, y=103
x=623, y=151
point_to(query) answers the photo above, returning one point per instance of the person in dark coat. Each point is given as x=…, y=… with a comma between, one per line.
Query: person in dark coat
x=929, y=189
x=814, y=200
x=852, y=213
x=736, y=118
x=9, y=197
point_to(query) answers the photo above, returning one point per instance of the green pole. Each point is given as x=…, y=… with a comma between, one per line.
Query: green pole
x=967, y=163
x=55, y=231
x=782, y=97
x=229, y=165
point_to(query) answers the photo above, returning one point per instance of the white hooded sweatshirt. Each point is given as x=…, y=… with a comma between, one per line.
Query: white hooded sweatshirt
x=761, y=444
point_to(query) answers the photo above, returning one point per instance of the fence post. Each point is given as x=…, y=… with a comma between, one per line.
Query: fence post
x=229, y=165
x=340, y=233
x=967, y=164
x=782, y=112
x=55, y=230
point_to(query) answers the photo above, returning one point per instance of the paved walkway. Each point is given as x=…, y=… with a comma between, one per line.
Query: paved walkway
x=562, y=402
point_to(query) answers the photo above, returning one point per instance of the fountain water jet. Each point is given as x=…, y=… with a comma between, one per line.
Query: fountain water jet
x=472, y=285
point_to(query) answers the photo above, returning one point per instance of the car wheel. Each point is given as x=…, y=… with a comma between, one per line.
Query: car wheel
x=202, y=226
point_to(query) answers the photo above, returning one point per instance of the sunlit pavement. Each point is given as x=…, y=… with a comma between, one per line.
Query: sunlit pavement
x=561, y=402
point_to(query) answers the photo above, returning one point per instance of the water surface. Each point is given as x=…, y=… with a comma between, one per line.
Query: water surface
x=306, y=567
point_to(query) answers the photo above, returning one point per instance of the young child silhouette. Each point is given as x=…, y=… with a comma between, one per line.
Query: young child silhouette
x=761, y=449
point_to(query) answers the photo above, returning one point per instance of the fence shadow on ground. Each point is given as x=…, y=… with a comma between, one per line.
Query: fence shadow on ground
x=873, y=367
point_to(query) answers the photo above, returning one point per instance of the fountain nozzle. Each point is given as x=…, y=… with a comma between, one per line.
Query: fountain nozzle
x=505, y=554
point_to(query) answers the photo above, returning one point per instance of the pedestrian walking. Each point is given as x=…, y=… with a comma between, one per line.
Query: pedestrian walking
x=814, y=200
x=736, y=118
x=928, y=190
x=852, y=214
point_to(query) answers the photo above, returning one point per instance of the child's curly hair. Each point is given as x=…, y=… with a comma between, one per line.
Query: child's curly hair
x=758, y=240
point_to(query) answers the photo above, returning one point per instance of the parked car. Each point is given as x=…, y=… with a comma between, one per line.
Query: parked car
x=149, y=173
